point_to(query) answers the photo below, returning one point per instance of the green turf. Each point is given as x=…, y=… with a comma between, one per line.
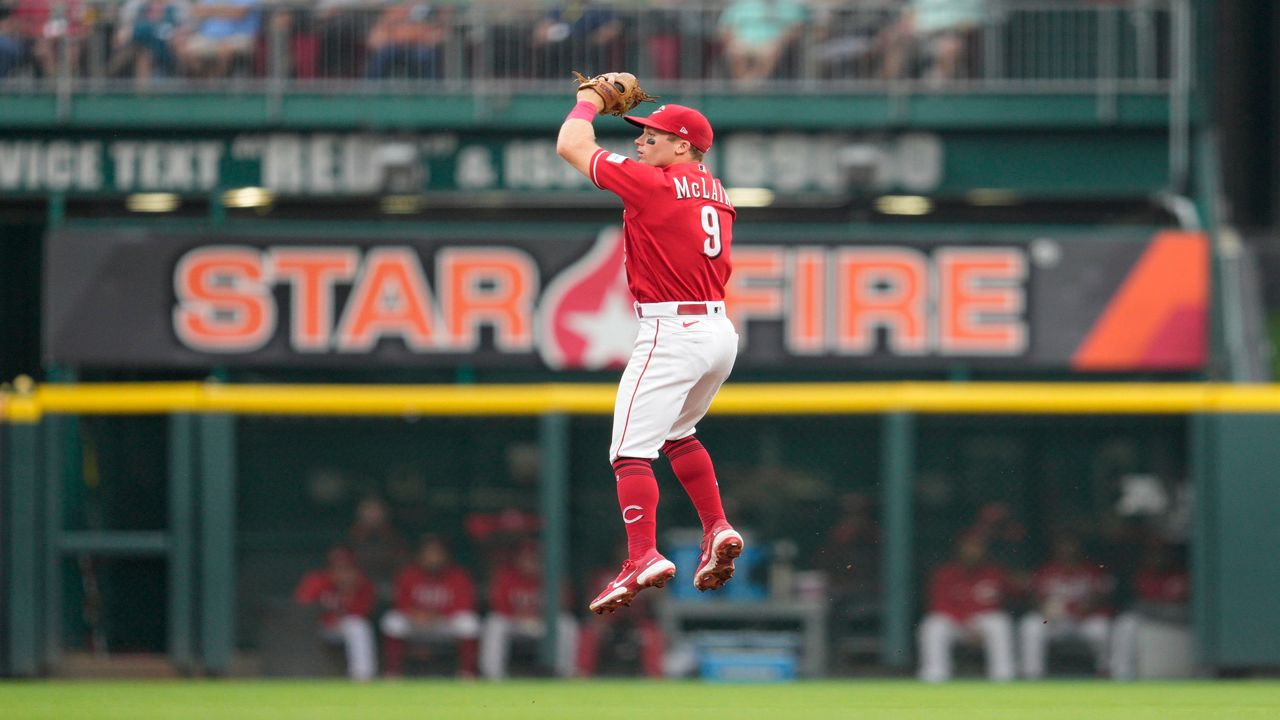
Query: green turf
x=431, y=700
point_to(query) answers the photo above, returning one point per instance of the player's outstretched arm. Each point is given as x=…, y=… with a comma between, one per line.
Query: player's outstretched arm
x=577, y=140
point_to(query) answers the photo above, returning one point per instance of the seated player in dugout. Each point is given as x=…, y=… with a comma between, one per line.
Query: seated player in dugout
x=677, y=232
x=347, y=598
x=435, y=601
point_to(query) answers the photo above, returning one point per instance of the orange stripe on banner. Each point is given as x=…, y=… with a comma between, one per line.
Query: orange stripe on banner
x=1157, y=319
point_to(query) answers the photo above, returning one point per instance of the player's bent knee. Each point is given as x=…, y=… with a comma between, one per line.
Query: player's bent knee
x=466, y=625
x=395, y=624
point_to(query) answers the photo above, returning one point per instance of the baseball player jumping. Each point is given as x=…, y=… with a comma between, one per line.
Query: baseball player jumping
x=677, y=231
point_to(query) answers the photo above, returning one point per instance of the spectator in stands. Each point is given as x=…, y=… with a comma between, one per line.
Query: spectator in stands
x=664, y=27
x=1162, y=590
x=578, y=35
x=145, y=38
x=347, y=599
x=226, y=31
x=842, y=42
x=756, y=33
x=1071, y=598
x=406, y=42
x=378, y=546
x=435, y=600
x=13, y=42
x=44, y=31
x=636, y=627
x=515, y=612
x=501, y=36
x=340, y=29
x=967, y=602
x=938, y=33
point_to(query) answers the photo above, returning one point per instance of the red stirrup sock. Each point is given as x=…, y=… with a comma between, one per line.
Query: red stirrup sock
x=692, y=466
x=638, y=498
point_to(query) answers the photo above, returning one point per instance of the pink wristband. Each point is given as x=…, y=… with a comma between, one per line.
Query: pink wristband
x=584, y=110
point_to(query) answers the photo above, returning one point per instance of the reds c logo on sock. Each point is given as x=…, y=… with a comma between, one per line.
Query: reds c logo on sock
x=628, y=509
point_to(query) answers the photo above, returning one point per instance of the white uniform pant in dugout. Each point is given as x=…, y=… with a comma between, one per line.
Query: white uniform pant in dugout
x=499, y=630
x=459, y=626
x=938, y=632
x=356, y=634
x=684, y=352
x=1036, y=632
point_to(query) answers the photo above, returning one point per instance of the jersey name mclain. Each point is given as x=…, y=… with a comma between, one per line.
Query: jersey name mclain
x=699, y=189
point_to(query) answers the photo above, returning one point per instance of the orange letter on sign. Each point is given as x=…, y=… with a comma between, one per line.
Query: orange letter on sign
x=391, y=297
x=981, y=300
x=223, y=304
x=807, y=313
x=754, y=289
x=488, y=285
x=313, y=272
x=881, y=288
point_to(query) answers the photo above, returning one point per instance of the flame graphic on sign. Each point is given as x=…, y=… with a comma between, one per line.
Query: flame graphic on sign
x=586, y=320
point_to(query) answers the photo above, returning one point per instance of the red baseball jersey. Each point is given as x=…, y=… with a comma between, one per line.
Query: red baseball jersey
x=516, y=594
x=519, y=595
x=677, y=227
x=318, y=587
x=962, y=593
x=1172, y=586
x=1079, y=589
x=441, y=593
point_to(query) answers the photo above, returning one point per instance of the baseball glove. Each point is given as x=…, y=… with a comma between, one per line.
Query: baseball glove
x=620, y=91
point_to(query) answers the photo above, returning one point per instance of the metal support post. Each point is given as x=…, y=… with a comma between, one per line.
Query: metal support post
x=23, y=583
x=217, y=450
x=553, y=431
x=182, y=460
x=897, y=477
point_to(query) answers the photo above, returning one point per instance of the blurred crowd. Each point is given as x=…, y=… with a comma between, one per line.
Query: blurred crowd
x=987, y=598
x=390, y=607
x=393, y=609
x=747, y=42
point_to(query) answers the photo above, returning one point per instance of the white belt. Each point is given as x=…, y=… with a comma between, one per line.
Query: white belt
x=679, y=309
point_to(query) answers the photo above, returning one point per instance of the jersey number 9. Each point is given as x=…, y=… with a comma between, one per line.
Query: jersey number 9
x=711, y=246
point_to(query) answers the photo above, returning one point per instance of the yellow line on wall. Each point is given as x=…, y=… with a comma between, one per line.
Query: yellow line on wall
x=597, y=399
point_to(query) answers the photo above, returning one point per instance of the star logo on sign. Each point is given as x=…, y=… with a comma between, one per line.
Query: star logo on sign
x=610, y=332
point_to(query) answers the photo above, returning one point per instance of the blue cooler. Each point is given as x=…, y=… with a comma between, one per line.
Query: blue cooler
x=747, y=657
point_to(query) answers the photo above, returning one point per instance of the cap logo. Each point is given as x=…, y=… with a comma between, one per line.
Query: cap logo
x=660, y=109
x=684, y=130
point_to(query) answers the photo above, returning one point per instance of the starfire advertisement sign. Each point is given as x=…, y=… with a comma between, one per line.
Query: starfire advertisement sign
x=148, y=300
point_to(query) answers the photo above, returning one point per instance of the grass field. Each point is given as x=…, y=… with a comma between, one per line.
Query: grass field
x=600, y=700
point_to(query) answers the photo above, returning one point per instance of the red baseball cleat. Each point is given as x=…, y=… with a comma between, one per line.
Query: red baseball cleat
x=651, y=570
x=719, y=547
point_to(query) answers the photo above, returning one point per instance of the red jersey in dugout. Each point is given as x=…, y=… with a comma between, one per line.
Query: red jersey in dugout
x=677, y=227
x=962, y=593
x=442, y=593
x=1169, y=586
x=319, y=587
x=1074, y=590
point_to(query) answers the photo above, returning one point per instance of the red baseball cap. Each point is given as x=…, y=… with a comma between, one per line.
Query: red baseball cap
x=678, y=120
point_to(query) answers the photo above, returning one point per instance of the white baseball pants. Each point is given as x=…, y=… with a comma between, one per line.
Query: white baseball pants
x=939, y=632
x=356, y=634
x=499, y=630
x=1036, y=634
x=458, y=626
x=676, y=368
